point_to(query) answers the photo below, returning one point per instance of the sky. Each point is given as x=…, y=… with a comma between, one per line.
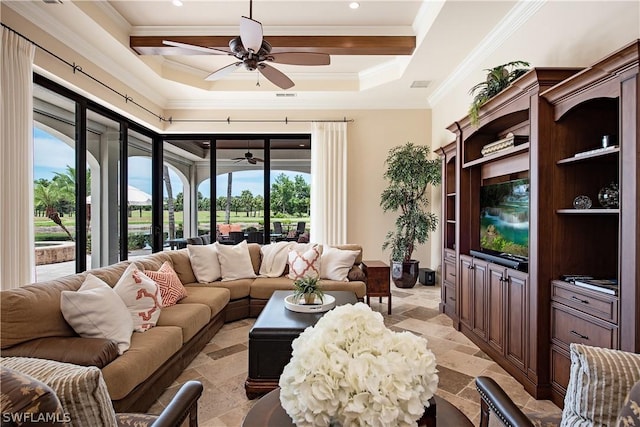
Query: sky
x=52, y=155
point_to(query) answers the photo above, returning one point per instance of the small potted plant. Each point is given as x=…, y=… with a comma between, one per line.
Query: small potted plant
x=307, y=287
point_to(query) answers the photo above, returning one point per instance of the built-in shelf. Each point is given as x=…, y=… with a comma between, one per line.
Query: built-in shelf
x=500, y=154
x=589, y=156
x=588, y=211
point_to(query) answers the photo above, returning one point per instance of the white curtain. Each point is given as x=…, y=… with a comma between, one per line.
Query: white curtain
x=16, y=161
x=329, y=183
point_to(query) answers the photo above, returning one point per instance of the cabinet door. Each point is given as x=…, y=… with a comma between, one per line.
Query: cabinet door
x=480, y=298
x=516, y=315
x=465, y=296
x=496, y=287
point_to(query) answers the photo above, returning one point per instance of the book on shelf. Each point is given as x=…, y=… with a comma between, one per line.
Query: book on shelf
x=608, y=286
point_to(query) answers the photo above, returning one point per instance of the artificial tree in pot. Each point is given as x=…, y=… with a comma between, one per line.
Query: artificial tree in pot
x=409, y=171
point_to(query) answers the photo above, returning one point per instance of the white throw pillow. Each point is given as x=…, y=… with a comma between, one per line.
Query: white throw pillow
x=303, y=264
x=336, y=263
x=142, y=297
x=235, y=262
x=96, y=311
x=204, y=262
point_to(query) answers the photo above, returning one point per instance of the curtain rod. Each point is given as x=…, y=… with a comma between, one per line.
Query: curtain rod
x=127, y=99
x=286, y=120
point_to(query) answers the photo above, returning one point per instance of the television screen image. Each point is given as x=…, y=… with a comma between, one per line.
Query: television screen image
x=504, y=217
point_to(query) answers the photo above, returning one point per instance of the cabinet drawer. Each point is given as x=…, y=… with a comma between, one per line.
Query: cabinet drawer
x=449, y=295
x=594, y=303
x=450, y=254
x=569, y=326
x=449, y=272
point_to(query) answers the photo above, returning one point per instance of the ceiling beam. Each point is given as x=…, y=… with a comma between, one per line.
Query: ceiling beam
x=332, y=45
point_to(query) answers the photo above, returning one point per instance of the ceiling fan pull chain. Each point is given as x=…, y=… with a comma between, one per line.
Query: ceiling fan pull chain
x=257, y=79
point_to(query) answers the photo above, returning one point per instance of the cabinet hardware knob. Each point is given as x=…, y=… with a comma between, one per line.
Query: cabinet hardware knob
x=584, y=337
x=452, y=299
x=584, y=301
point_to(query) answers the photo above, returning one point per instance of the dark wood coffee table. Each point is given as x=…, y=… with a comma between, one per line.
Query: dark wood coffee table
x=268, y=412
x=271, y=336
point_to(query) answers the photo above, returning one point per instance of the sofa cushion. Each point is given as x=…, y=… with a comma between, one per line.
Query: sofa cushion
x=263, y=287
x=22, y=394
x=79, y=351
x=213, y=297
x=148, y=351
x=238, y=289
x=189, y=317
x=171, y=287
x=335, y=263
x=357, y=287
x=18, y=308
x=235, y=262
x=599, y=381
x=205, y=262
x=81, y=389
x=96, y=311
x=142, y=297
x=182, y=265
x=256, y=256
x=356, y=274
x=352, y=247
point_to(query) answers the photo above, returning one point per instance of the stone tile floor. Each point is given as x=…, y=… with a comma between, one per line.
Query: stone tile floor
x=222, y=365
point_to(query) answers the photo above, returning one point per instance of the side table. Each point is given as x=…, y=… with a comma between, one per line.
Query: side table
x=378, y=284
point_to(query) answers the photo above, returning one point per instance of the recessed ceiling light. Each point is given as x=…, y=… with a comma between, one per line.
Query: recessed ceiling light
x=177, y=2
x=354, y=5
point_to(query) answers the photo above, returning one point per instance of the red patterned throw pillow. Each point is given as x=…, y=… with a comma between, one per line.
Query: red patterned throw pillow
x=171, y=287
x=303, y=264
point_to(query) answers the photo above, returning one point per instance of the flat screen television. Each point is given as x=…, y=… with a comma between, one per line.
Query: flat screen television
x=504, y=217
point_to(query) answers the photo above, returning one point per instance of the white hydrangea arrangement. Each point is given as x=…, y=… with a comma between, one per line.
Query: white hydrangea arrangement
x=350, y=370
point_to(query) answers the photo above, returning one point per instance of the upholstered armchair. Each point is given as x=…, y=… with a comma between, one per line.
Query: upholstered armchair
x=603, y=390
x=45, y=392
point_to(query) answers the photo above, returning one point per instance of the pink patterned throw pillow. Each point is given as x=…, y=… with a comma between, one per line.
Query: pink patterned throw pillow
x=303, y=264
x=171, y=287
x=141, y=295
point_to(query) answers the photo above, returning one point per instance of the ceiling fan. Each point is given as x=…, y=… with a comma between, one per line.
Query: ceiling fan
x=253, y=51
x=248, y=156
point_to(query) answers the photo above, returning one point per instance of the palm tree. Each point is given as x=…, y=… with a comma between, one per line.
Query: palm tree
x=49, y=197
x=170, y=205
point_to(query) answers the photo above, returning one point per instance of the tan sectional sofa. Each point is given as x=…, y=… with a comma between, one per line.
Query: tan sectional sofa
x=32, y=324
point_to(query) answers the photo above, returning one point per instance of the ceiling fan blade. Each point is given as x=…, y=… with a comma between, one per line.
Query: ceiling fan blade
x=251, y=33
x=301, y=58
x=252, y=161
x=258, y=159
x=220, y=73
x=209, y=50
x=276, y=76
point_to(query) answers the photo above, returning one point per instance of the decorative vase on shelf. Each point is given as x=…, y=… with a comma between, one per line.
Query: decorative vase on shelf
x=609, y=196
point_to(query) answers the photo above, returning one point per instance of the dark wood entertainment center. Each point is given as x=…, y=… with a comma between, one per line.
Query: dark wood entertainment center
x=526, y=320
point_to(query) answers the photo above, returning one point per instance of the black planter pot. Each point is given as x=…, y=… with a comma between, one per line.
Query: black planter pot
x=405, y=274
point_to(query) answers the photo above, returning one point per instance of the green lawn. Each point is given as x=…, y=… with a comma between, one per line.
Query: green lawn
x=142, y=219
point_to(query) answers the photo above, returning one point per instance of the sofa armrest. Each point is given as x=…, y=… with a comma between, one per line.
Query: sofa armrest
x=184, y=404
x=494, y=399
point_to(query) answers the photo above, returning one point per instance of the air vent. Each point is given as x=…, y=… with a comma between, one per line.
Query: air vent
x=285, y=94
x=420, y=84
x=52, y=1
